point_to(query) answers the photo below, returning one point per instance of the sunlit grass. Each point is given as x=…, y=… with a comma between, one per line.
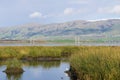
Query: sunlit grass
x=34, y=51
x=97, y=63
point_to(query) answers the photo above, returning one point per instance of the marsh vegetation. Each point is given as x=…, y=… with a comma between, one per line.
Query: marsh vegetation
x=87, y=63
x=35, y=52
x=14, y=66
x=97, y=63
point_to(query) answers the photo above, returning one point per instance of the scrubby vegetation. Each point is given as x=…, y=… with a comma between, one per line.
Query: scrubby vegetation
x=97, y=63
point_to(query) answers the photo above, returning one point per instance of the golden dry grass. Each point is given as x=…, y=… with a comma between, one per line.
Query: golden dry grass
x=97, y=63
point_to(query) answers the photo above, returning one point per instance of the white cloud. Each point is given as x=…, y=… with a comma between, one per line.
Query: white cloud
x=36, y=15
x=40, y=15
x=68, y=11
x=114, y=9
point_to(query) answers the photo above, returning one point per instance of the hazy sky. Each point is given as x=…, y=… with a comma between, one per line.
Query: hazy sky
x=15, y=12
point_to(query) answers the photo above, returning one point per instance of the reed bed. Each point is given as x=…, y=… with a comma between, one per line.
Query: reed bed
x=35, y=51
x=97, y=63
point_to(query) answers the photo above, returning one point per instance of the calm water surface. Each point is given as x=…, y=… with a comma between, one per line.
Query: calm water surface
x=59, y=44
x=39, y=71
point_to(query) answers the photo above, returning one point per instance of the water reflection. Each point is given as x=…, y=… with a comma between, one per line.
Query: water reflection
x=44, y=64
x=38, y=71
x=79, y=43
x=14, y=76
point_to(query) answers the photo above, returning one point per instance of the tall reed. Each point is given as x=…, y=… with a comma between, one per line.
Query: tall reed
x=97, y=63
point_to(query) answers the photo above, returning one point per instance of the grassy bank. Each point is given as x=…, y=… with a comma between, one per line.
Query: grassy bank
x=35, y=52
x=97, y=63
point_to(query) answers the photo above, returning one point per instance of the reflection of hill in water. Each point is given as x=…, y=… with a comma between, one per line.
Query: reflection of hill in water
x=44, y=64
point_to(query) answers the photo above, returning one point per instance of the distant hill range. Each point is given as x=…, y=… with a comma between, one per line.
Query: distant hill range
x=109, y=27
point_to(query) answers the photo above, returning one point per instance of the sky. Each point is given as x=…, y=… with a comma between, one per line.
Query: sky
x=16, y=12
